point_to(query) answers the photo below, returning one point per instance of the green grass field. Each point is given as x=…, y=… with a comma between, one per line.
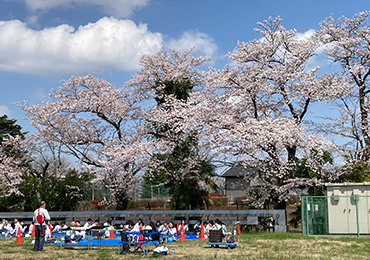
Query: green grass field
x=251, y=246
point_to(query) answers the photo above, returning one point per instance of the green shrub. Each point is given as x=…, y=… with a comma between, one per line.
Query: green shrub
x=219, y=204
x=131, y=204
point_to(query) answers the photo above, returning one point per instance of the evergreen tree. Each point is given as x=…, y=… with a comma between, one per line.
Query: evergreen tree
x=8, y=127
x=188, y=190
x=184, y=174
x=355, y=171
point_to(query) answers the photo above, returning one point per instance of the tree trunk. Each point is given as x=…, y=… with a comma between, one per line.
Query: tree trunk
x=121, y=203
x=364, y=124
x=281, y=205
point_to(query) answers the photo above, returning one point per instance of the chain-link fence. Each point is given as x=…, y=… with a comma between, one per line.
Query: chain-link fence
x=336, y=215
x=159, y=192
x=315, y=215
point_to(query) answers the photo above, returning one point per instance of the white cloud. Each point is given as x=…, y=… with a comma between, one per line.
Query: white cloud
x=203, y=43
x=33, y=19
x=107, y=44
x=306, y=35
x=319, y=59
x=118, y=8
x=4, y=110
x=39, y=93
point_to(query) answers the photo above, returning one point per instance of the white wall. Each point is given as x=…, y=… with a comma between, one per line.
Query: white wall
x=342, y=209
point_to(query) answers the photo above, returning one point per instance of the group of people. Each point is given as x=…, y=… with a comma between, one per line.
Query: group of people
x=210, y=225
x=76, y=231
x=42, y=228
x=11, y=229
x=38, y=227
x=166, y=229
x=169, y=229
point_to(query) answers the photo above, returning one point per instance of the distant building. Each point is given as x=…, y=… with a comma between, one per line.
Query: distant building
x=239, y=179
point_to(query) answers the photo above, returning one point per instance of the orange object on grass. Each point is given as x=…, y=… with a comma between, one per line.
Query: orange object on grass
x=182, y=234
x=201, y=235
x=33, y=231
x=51, y=232
x=19, y=236
x=111, y=233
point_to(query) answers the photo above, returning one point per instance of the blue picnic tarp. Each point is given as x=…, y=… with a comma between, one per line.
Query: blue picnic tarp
x=94, y=242
x=115, y=242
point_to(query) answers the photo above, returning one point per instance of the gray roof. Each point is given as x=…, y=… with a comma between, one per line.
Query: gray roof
x=240, y=171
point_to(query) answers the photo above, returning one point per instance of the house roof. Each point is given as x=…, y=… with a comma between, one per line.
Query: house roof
x=240, y=171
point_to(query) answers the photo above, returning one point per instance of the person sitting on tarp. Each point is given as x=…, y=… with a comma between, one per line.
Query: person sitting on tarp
x=163, y=229
x=171, y=233
x=73, y=235
x=138, y=226
x=198, y=226
x=30, y=229
x=6, y=228
x=89, y=223
x=220, y=226
x=57, y=228
x=108, y=226
x=20, y=225
x=183, y=224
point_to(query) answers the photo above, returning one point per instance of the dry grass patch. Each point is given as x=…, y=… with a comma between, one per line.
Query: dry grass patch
x=251, y=246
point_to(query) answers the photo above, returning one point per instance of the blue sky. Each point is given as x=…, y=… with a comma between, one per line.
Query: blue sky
x=43, y=42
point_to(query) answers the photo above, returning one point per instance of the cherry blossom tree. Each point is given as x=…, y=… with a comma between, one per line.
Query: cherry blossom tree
x=252, y=114
x=100, y=126
x=267, y=96
x=347, y=44
x=106, y=128
x=12, y=156
x=12, y=165
x=32, y=170
x=166, y=76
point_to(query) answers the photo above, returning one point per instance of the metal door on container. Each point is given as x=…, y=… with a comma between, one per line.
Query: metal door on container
x=338, y=214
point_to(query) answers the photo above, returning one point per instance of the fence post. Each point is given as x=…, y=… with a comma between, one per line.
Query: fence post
x=303, y=222
x=357, y=218
x=307, y=221
x=327, y=215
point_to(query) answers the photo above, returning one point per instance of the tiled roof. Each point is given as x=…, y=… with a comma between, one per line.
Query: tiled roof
x=240, y=171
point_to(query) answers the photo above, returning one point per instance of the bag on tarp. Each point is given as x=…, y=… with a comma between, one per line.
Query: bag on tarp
x=162, y=250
